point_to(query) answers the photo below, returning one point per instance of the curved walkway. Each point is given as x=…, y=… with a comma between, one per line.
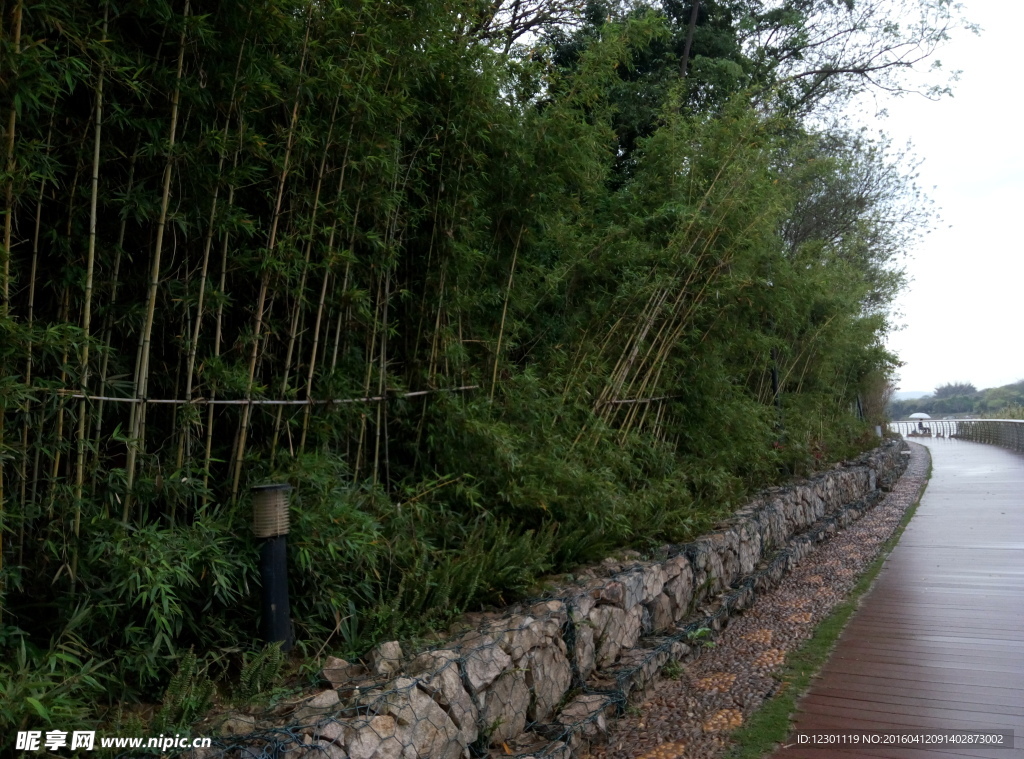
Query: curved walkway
x=691, y=717
x=938, y=642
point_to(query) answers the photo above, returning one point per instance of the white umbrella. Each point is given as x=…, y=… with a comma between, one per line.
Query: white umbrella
x=920, y=415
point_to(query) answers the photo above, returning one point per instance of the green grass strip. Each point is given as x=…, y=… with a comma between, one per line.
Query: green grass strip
x=770, y=725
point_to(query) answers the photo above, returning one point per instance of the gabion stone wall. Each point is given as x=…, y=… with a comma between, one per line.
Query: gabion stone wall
x=542, y=678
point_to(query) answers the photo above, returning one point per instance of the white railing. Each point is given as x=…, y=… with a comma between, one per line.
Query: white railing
x=1008, y=433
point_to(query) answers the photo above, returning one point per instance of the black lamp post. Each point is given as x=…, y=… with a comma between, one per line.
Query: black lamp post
x=270, y=523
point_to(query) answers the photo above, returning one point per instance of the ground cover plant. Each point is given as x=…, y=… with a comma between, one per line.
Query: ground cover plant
x=497, y=294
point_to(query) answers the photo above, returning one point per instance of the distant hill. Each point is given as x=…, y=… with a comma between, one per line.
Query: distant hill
x=905, y=395
x=961, y=398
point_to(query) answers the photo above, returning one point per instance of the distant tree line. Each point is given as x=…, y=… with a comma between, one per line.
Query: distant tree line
x=963, y=398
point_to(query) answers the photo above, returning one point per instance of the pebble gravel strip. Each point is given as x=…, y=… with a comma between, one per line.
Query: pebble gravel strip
x=691, y=717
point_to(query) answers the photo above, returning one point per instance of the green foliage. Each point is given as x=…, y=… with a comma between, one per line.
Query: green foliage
x=539, y=303
x=1013, y=411
x=189, y=694
x=702, y=637
x=952, y=389
x=260, y=672
x=56, y=687
x=672, y=670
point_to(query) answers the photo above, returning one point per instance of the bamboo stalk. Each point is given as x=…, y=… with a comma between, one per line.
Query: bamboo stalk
x=265, y=279
x=371, y=352
x=297, y=311
x=12, y=120
x=345, y=313
x=632, y=348
x=392, y=241
x=108, y=330
x=219, y=322
x=328, y=256
x=671, y=328
x=194, y=340
x=630, y=352
x=29, y=352
x=382, y=409
x=667, y=338
x=435, y=341
x=313, y=349
x=5, y=284
x=87, y=310
x=55, y=469
x=207, y=247
x=142, y=387
x=504, y=313
x=683, y=320
x=64, y=316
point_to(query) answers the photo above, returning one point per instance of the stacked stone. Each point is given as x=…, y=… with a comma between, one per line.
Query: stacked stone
x=542, y=679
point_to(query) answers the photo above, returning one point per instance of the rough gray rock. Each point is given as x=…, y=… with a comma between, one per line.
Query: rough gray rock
x=679, y=587
x=503, y=707
x=320, y=704
x=552, y=615
x=324, y=749
x=633, y=588
x=584, y=651
x=484, y=661
x=614, y=630
x=749, y=551
x=519, y=634
x=609, y=623
x=587, y=714
x=327, y=730
x=374, y=739
x=662, y=613
x=431, y=731
x=423, y=728
x=610, y=592
x=579, y=605
x=654, y=578
x=236, y=723
x=439, y=677
x=386, y=659
x=338, y=672
x=548, y=675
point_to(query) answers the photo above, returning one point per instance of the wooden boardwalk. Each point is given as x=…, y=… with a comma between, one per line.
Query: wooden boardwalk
x=938, y=642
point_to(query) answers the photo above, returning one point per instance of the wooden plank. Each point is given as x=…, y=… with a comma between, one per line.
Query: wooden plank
x=1002, y=701
x=882, y=695
x=1010, y=651
x=951, y=714
x=938, y=642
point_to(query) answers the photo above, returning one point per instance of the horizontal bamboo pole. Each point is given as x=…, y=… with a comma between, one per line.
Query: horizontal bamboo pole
x=629, y=401
x=255, y=402
x=315, y=401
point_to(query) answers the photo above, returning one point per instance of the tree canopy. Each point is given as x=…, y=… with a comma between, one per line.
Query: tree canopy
x=955, y=388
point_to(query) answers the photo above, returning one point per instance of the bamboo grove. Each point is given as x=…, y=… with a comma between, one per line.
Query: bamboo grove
x=493, y=310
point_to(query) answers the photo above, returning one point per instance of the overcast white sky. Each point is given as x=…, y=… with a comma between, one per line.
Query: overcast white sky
x=964, y=309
